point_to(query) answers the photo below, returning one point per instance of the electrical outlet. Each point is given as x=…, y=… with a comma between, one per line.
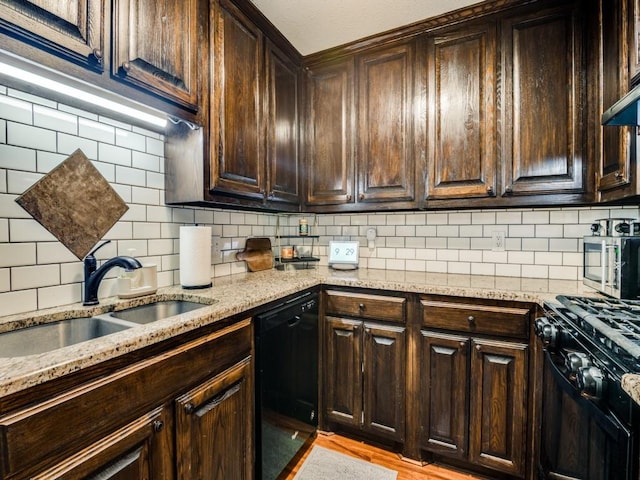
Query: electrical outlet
x=216, y=249
x=497, y=240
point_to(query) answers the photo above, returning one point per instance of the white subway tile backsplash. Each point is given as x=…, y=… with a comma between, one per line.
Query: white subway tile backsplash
x=31, y=98
x=18, y=181
x=70, y=143
x=548, y=258
x=97, y=131
x=146, y=161
x=509, y=217
x=146, y=230
x=549, y=231
x=16, y=110
x=155, y=147
x=18, y=301
x=434, y=218
x=156, y=180
x=535, y=244
x=521, y=231
x=3, y=131
x=564, y=216
x=47, y=161
x=437, y=266
x=27, y=136
x=17, y=158
x=23, y=278
x=9, y=208
x=459, y=243
x=5, y=280
x=483, y=218
x=53, y=252
x=130, y=140
x=17, y=254
x=114, y=154
x=563, y=244
x=54, y=119
x=59, y=295
x=483, y=269
x=507, y=270
x=563, y=273
x=27, y=230
x=136, y=213
x=131, y=176
x=4, y=230
x=147, y=196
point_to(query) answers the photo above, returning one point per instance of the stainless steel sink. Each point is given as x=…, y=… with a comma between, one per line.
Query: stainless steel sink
x=155, y=311
x=51, y=336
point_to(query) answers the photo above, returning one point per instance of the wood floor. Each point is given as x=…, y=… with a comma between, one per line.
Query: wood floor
x=406, y=470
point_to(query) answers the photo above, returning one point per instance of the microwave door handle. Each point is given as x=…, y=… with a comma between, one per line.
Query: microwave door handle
x=603, y=264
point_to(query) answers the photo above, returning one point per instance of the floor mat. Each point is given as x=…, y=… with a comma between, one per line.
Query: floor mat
x=324, y=464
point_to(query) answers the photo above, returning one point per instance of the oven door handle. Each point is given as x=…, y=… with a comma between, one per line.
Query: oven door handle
x=603, y=262
x=608, y=422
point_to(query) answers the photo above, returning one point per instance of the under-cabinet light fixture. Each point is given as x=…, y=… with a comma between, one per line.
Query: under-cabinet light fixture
x=80, y=94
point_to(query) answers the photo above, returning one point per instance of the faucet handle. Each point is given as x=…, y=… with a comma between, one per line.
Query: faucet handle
x=90, y=254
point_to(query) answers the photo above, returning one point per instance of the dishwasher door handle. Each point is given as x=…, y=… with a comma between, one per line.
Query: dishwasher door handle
x=292, y=322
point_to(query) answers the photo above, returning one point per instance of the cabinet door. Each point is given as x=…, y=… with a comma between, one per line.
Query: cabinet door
x=72, y=29
x=155, y=47
x=236, y=136
x=616, y=178
x=329, y=134
x=343, y=371
x=282, y=140
x=498, y=416
x=386, y=162
x=634, y=39
x=444, y=387
x=461, y=145
x=142, y=450
x=214, y=427
x=384, y=380
x=543, y=102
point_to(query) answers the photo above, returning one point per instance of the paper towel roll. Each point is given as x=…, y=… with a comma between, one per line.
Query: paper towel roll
x=195, y=257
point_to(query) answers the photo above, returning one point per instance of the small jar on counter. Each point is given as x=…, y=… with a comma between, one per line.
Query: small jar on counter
x=303, y=228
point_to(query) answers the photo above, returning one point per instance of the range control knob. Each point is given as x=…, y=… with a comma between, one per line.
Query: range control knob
x=595, y=228
x=547, y=332
x=577, y=360
x=591, y=382
x=623, y=227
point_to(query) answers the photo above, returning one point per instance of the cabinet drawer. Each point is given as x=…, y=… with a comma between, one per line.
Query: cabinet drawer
x=473, y=318
x=362, y=305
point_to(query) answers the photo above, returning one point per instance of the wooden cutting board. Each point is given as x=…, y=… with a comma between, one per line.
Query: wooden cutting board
x=257, y=253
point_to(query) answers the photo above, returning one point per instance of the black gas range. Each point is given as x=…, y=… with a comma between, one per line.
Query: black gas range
x=590, y=425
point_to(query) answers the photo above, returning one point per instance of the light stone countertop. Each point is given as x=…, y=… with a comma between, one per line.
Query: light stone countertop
x=239, y=293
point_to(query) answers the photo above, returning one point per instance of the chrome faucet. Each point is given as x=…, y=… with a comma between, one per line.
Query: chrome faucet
x=93, y=277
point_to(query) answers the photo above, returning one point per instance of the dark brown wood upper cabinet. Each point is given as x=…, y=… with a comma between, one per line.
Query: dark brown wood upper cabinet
x=386, y=163
x=283, y=162
x=330, y=133
x=154, y=47
x=542, y=120
x=236, y=126
x=73, y=30
x=616, y=177
x=461, y=140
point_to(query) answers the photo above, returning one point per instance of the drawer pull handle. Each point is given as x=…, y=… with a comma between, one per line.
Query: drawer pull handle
x=361, y=306
x=158, y=425
x=478, y=348
x=189, y=408
x=471, y=319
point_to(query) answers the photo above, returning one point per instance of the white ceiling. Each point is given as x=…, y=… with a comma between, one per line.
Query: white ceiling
x=315, y=25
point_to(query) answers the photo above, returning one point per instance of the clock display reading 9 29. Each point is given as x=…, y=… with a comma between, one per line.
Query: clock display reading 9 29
x=343, y=252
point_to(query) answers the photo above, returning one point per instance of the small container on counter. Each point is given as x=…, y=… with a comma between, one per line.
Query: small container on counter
x=303, y=228
x=286, y=253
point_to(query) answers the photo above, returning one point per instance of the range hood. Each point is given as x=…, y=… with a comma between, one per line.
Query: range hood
x=625, y=110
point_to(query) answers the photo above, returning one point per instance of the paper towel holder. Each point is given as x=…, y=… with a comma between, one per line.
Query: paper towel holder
x=195, y=284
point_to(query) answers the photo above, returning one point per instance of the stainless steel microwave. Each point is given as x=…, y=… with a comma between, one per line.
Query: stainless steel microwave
x=611, y=265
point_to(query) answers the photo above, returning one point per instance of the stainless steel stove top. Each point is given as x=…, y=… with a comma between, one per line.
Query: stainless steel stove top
x=612, y=323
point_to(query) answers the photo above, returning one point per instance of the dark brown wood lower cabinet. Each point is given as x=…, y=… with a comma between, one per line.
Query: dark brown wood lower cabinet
x=365, y=376
x=473, y=383
x=474, y=400
x=186, y=410
x=139, y=451
x=214, y=424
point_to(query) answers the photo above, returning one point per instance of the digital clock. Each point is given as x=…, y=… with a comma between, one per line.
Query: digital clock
x=343, y=255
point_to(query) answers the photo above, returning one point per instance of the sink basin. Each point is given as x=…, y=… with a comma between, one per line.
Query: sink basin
x=155, y=311
x=51, y=336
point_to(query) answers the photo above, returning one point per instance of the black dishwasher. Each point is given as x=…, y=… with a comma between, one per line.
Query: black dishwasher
x=286, y=382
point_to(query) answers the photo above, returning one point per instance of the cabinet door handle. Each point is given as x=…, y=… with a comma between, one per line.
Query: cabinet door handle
x=461, y=344
x=361, y=307
x=490, y=191
x=361, y=196
x=471, y=319
x=508, y=190
x=478, y=347
x=349, y=198
x=619, y=175
x=126, y=66
x=158, y=425
x=189, y=408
